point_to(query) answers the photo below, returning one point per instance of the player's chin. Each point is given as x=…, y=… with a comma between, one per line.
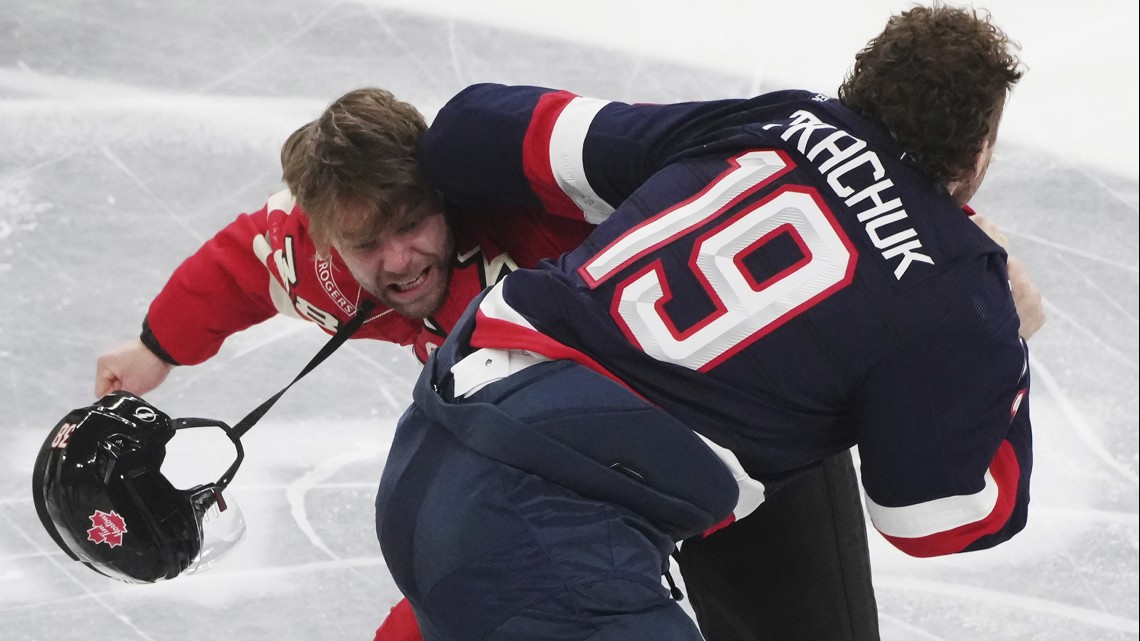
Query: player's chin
x=423, y=304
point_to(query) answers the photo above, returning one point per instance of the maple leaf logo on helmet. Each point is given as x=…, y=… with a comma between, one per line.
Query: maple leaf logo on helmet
x=109, y=528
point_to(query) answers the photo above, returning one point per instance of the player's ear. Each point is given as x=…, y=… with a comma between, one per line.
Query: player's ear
x=962, y=189
x=982, y=160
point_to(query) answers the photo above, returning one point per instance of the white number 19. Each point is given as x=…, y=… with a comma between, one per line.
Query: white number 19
x=746, y=310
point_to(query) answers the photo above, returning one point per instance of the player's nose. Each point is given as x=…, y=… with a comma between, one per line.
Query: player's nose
x=394, y=256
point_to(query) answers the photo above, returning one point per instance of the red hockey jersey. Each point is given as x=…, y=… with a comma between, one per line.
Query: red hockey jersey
x=265, y=263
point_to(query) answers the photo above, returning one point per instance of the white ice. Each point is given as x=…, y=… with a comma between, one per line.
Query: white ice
x=132, y=131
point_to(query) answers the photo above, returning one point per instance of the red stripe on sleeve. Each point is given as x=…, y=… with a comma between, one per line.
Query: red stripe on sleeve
x=1006, y=470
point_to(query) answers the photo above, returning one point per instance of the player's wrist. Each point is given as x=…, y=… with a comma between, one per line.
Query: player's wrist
x=151, y=343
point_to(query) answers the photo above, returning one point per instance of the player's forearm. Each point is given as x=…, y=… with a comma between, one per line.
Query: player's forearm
x=951, y=522
x=574, y=156
x=945, y=436
x=962, y=523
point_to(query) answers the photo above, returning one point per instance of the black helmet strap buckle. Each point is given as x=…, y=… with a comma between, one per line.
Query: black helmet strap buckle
x=206, y=496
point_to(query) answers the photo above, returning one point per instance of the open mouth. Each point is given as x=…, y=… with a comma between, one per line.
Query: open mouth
x=410, y=285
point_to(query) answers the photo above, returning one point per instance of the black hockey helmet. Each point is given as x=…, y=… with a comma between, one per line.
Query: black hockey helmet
x=101, y=496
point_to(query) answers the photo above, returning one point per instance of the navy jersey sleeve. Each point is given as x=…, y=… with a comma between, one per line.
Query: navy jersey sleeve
x=944, y=436
x=573, y=156
x=472, y=152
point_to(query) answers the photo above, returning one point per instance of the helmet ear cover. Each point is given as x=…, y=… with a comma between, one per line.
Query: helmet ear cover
x=100, y=493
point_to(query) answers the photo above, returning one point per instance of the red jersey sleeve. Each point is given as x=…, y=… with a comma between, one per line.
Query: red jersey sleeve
x=221, y=289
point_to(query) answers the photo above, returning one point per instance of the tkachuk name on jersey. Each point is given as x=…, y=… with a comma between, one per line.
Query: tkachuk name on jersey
x=837, y=154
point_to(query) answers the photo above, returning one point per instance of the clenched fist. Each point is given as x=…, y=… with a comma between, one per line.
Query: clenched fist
x=130, y=367
x=1026, y=296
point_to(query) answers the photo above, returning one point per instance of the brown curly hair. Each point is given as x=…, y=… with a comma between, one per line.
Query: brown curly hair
x=361, y=150
x=938, y=78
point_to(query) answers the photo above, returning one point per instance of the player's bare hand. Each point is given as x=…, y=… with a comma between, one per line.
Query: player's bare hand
x=1026, y=297
x=991, y=230
x=130, y=367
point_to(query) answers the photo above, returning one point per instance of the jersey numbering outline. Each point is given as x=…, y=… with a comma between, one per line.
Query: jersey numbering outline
x=746, y=309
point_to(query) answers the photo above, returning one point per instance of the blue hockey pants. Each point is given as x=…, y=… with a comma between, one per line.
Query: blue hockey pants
x=487, y=550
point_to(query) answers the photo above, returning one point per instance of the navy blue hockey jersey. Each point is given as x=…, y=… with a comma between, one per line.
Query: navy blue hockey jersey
x=778, y=274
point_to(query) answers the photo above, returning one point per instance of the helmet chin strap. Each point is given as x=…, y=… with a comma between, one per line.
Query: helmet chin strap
x=342, y=334
x=236, y=432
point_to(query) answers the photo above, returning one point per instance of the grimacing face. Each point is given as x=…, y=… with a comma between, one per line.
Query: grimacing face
x=407, y=263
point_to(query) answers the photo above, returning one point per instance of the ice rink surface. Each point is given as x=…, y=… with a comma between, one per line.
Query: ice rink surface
x=130, y=132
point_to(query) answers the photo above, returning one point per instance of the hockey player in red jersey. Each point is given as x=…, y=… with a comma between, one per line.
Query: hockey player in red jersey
x=422, y=265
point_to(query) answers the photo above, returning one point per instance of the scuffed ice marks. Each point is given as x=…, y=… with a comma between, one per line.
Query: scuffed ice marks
x=19, y=214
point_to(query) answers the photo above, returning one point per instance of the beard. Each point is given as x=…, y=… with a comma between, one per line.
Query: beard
x=424, y=299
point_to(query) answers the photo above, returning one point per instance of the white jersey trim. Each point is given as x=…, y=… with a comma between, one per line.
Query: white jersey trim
x=751, y=490
x=937, y=516
x=277, y=292
x=567, y=141
x=495, y=306
x=485, y=366
x=284, y=201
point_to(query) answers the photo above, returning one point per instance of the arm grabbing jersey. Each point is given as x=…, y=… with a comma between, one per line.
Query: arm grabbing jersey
x=782, y=278
x=569, y=155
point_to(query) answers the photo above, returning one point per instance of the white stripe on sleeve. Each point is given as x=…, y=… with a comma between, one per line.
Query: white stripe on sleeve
x=933, y=517
x=566, y=144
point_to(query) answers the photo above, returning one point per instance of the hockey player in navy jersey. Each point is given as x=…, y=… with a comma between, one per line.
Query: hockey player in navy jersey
x=797, y=279
x=273, y=261
x=295, y=260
